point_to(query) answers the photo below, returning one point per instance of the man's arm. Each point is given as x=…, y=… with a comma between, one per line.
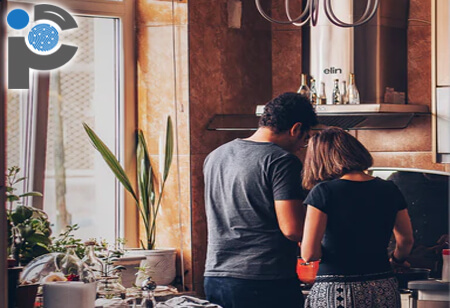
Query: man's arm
x=291, y=217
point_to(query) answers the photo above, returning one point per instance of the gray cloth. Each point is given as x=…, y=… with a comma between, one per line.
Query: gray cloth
x=242, y=180
x=186, y=302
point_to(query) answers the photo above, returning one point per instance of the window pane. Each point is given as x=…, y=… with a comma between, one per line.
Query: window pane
x=13, y=128
x=79, y=187
x=19, y=126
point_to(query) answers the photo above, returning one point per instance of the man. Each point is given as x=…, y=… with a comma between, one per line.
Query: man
x=253, y=198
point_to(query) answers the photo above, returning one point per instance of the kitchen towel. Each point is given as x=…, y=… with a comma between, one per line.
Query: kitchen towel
x=186, y=302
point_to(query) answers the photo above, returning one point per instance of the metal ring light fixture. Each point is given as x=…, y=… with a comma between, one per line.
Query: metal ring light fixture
x=311, y=12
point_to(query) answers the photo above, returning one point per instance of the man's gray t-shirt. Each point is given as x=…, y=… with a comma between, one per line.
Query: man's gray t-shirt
x=242, y=180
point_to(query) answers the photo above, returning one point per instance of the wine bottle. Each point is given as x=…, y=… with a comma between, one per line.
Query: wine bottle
x=304, y=89
x=322, y=96
x=352, y=90
x=344, y=95
x=336, y=93
x=313, y=92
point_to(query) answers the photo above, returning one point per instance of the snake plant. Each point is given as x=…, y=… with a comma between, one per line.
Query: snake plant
x=147, y=201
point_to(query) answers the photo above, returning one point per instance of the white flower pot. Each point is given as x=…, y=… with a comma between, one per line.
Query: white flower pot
x=131, y=262
x=159, y=264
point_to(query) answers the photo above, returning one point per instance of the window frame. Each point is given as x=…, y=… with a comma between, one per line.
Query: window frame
x=125, y=12
x=3, y=227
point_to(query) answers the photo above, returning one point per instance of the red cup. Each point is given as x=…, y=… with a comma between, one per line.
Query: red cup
x=307, y=271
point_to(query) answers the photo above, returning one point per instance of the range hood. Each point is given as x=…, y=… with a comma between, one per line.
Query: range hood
x=358, y=117
x=369, y=116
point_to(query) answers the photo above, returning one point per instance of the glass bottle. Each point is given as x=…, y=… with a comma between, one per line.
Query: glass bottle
x=110, y=287
x=148, y=286
x=322, y=96
x=304, y=89
x=149, y=300
x=91, y=260
x=313, y=92
x=71, y=265
x=336, y=93
x=344, y=95
x=352, y=90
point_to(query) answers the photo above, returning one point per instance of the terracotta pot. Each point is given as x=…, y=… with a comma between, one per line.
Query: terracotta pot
x=11, y=262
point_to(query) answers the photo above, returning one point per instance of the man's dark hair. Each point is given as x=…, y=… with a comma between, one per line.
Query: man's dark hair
x=282, y=112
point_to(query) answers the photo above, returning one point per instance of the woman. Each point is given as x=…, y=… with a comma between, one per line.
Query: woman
x=349, y=221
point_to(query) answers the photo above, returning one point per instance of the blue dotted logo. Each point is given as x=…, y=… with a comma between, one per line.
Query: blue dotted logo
x=43, y=37
x=40, y=49
x=18, y=19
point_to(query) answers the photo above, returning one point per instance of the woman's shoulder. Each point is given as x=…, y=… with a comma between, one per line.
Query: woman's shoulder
x=386, y=183
x=323, y=186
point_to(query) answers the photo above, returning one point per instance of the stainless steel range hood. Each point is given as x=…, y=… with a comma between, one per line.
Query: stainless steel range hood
x=369, y=116
x=363, y=116
x=366, y=116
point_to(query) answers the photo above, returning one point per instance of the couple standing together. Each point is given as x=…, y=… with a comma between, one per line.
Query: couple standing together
x=258, y=212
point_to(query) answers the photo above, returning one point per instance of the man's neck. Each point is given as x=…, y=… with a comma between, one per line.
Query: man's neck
x=264, y=134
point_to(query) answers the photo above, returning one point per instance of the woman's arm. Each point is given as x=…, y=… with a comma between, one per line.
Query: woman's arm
x=315, y=225
x=403, y=234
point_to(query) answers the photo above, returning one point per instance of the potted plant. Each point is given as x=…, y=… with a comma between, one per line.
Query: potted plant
x=28, y=237
x=28, y=227
x=65, y=238
x=147, y=197
x=108, y=282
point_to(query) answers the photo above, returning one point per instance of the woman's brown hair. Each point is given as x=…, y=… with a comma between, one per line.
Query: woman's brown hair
x=331, y=154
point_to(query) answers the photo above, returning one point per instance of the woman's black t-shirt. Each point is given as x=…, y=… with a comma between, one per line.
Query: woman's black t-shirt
x=360, y=219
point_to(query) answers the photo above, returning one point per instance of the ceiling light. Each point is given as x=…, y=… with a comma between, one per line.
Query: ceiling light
x=311, y=12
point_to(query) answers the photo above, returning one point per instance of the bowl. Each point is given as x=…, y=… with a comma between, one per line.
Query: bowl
x=410, y=274
x=307, y=271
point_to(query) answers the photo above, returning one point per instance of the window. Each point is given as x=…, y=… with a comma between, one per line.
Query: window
x=79, y=188
x=45, y=135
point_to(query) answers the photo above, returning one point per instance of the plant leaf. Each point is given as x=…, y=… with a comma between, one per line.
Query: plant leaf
x=119, y=268
x=19, y=180
x=111, y=161
x=20, y=214
x=39, y=238
x=143, y=176
x=11, y=198
x=39, y=249
x=169, y=148
x=31, y=193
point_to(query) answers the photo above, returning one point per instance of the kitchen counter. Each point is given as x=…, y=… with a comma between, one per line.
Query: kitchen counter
x=430, y=293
